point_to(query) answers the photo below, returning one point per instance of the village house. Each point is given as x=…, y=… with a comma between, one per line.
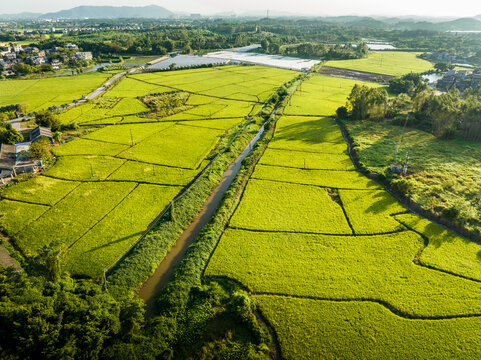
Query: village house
x=10, y=56
x=460, y=79
x=87, y=55
x=35, y=60
x=40, y=133
x=14, y=160
x=17, y=48
x=71, y=46
x=55, y=64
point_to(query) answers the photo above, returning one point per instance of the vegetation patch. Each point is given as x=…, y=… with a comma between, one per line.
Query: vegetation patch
x=17, y=215
x=116, y=233
x=445, y=250
x=163, y=148
x=306, y=160
x=84, y=168
x=377, y=268
x=68, y=221
x=40, y=94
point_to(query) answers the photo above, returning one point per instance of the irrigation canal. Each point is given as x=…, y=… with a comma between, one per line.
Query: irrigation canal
x=150, y=290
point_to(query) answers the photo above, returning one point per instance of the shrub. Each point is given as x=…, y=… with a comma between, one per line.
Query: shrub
x=342, y=113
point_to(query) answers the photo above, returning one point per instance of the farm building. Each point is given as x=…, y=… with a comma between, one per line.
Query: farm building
x=39, y=133
x=14, y=160
x=8, y=158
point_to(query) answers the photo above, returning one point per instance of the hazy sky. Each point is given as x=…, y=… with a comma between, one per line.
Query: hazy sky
x=312, y=7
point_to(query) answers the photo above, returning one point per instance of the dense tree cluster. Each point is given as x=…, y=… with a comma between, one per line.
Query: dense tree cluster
x=8, y=135
x=445, y=115
x=405, y=84
x=316, y=50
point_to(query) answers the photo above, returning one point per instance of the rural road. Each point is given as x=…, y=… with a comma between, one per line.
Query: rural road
x=109, y=82
x=16, y=123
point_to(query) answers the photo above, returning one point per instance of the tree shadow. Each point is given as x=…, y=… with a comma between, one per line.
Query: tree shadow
x=125, y=238
x=314, y=131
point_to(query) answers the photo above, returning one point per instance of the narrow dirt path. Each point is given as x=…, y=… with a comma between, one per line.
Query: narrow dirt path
x=6, y=260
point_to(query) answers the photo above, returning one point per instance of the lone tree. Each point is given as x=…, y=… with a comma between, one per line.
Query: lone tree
x=40, y=150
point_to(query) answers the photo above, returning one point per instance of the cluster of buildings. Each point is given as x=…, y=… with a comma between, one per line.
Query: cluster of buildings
x=460, y=79
x=15, y=159
x=10, y=56
x=440, y=56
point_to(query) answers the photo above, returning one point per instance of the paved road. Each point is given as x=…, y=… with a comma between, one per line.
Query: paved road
x=109, y=82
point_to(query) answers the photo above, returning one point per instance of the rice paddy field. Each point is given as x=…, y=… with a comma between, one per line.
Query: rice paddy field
x=108, y=186
x=40, y=94
x=393, y=63
x=336, y=265
x=321, y=96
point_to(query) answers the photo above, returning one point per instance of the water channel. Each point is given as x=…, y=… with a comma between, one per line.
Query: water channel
x=150, y=290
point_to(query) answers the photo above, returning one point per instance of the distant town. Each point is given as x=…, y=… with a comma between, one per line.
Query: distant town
x=21, y=60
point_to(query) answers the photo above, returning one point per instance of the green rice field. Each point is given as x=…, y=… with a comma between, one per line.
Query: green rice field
x=393, y=63
x=127, y=168
x=39, y=94
x=335, y=264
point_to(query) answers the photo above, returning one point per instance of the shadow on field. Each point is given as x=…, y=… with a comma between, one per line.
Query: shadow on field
x=137, y=234
x=312, y=132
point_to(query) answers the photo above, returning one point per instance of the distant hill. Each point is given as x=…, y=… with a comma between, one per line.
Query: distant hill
x=20, y=16
x=110, y=12
x=458, y=24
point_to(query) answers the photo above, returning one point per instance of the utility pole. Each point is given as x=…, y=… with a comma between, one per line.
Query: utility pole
x=401, y=140
x=91, y=170
x=405, y=169
x=131, y=137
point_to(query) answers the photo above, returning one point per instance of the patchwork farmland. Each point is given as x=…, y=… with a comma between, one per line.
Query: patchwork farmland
x=108, y=186
x=40, y=94
x=335, y=264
